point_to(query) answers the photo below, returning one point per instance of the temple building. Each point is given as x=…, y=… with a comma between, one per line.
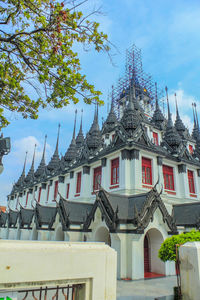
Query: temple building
x=131, y=184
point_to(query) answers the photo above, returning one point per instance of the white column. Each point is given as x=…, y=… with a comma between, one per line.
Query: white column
x=137, y=257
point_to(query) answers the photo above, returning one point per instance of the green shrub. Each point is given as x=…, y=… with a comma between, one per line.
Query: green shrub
x=168, y=248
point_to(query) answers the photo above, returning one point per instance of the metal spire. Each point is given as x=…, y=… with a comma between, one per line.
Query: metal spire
x=156, y=95
x=56, y=150
x=74, y=132
x=23, y=172
x=81, y=120
x=169, y=114
x=44, y=150
x=197, y=122
x=177, y=112
x=33, y=161
x=194, y=115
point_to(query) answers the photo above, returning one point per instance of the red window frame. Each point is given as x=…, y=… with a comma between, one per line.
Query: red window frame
x=39, y=194
x=67, y=191
x=168, y=174
x=48, y=193
x=146, y=170
x=155, y=138
x=115, y=171
x=191, y=150
x=26, y=199
x=78, y=183
x=97, y=178
x=191, y=181
x=55, y=190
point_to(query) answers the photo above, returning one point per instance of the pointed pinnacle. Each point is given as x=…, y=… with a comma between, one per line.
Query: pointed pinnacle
x=169, y=114
x=81, y=120
x=156, y=95
x=23, y=172
x=177, y=112
x=194, y=116
x=44, y=150
x=195, y=106
x=56, y=150
x=33, y=161
x=112, y=99
x=74, y=132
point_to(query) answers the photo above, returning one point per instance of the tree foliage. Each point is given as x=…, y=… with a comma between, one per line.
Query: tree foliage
x=168, y=248
x=37, y=39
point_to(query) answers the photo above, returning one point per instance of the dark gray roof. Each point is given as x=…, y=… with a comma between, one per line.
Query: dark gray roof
x=75, y=212
x=126, y=204
x=93, y=138
x=45, y=215
x=187, y=214
x=25, y=217
x=3, y=219
x=12, y=218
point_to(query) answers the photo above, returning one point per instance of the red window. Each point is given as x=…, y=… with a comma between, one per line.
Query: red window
x=55, y=190
x=67, y=193
x=168, y=177
x=155, y=138
x=191, y=150
x=191, y=182
x=115, y=171
x=39, y=194
x=48, y=193
x=26, y=199
x=78, y=183
x=113, y=136
x=146, y=171
x=97, y=179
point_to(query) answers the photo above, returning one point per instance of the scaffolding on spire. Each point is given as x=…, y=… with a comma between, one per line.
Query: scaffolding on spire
x=143, y=82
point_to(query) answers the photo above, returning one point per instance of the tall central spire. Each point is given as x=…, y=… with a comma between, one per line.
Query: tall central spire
x=80, y=136
x=71, y=151
x=20, y=181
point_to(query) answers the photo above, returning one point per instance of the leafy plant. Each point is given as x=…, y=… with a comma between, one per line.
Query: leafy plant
x=37, y=39
x=168, y=248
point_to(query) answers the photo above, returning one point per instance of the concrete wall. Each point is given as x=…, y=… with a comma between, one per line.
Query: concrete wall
x=28, y=264
x=190, y=270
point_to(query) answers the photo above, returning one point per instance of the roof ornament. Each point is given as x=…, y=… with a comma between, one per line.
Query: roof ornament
x=180, y=127
x=54, y=165
x=195, y=132
x=168, y=108
x=44, y=150
x=197, y=122
x=56, y=150
x=23, y=172
x=158, y=117
x=41, y=168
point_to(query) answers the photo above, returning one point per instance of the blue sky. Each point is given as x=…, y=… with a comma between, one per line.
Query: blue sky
x=167, y=32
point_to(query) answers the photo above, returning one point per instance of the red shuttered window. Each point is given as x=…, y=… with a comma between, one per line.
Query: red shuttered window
x=55, y=190
x=78, y=183
x=39, y=194
x=146, y=171
x=115, y=171
x=155, y=138
x=191, y=149
x=168, y=175
x=191, y=182
x=67, y=191
x=97, y=179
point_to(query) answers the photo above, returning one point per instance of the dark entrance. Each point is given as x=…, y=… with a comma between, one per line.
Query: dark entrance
x=146, y=255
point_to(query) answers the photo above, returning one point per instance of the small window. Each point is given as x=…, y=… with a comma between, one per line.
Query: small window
x=78, y=183
x=67, y=191
x=26, y=199
x=115, y=171
x=146, y=171
x=168, y=178
x=39, y=194
x=191, y=182
x=55, y=190
x=97, y=179
x=191, y=150
x=155, y=138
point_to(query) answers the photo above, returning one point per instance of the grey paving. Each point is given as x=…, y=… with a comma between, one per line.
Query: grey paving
x=149, y=289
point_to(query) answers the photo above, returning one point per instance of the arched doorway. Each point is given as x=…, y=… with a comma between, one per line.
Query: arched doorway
x=102, y=235
x=152, y=242
x=146, y=255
